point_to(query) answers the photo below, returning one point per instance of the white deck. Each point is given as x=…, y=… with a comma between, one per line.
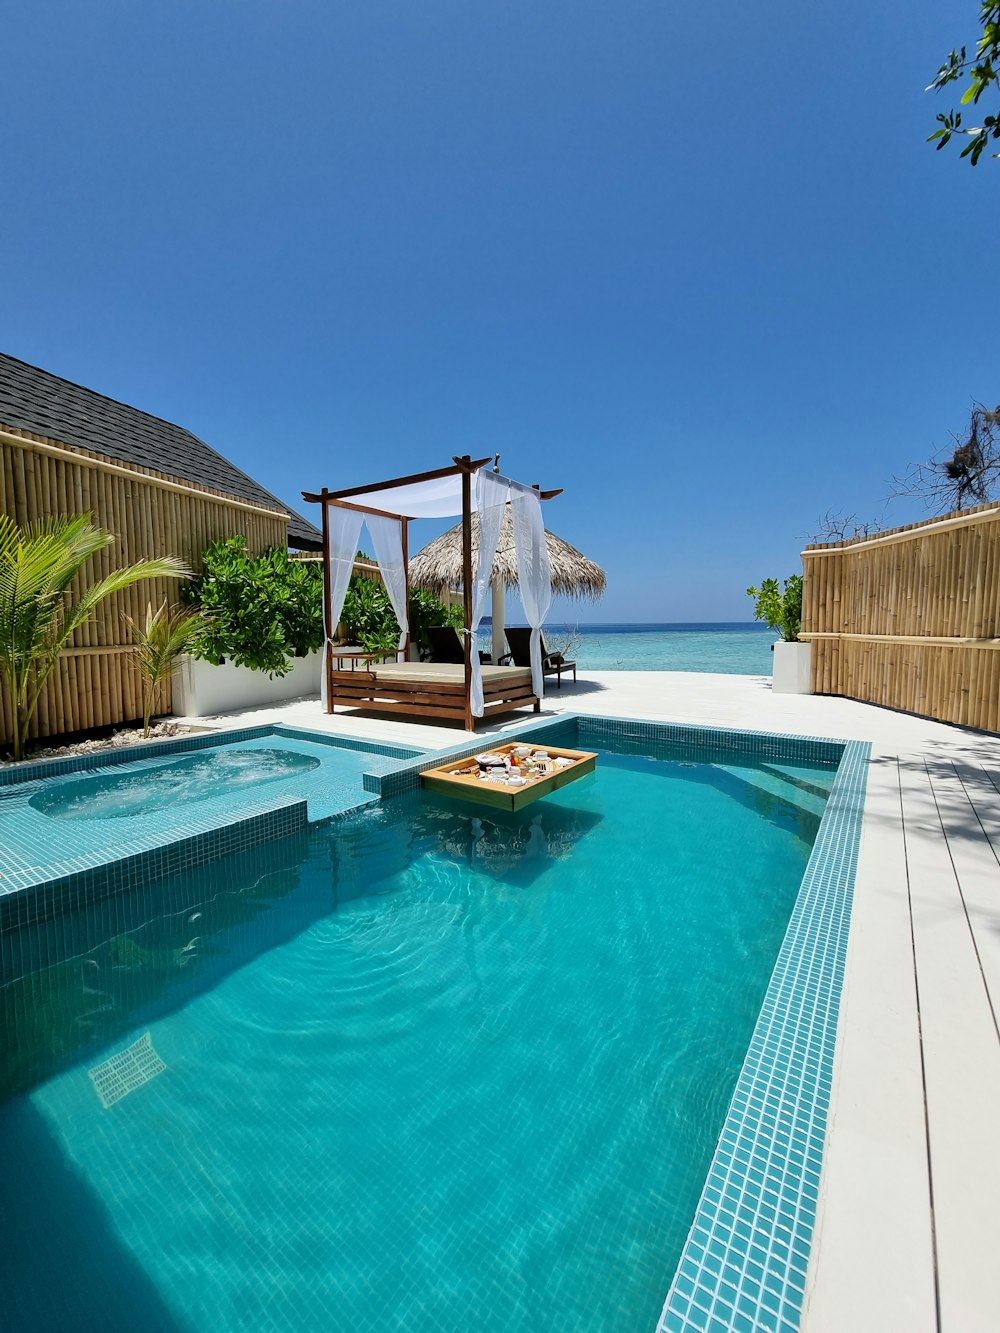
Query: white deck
x=907, y=1230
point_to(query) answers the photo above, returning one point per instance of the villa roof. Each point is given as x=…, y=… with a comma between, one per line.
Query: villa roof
x=35, y=400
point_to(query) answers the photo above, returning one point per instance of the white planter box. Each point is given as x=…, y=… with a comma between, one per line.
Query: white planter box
x=792, y=668
x=201, y=689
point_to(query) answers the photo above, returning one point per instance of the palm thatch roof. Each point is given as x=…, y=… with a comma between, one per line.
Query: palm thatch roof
x=439, y=565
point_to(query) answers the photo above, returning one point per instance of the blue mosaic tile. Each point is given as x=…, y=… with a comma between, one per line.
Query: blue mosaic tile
x=581, y=731
x=36, y=849
x=746, y=1257
x=33, y=769
x=52, y=897
x=390, y=750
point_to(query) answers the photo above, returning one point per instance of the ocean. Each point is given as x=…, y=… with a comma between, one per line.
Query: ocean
x=731, y=648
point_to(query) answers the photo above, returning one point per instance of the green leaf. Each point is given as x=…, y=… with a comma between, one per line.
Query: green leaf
x=265, y=610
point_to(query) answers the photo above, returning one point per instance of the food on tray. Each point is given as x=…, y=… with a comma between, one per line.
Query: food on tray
x=489, y=760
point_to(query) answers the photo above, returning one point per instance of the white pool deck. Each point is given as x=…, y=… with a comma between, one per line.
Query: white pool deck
x=908, y=1236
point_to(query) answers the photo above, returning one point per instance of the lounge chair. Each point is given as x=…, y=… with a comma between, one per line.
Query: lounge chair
x=446, y=645
x=553, y=664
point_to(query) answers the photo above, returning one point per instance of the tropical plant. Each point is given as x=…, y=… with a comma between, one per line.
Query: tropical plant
x=781, y=609
x=38, y=613
x=263, y=610
x=983, y=72
x=160, y=640
x=369, y=618
x=427, y=611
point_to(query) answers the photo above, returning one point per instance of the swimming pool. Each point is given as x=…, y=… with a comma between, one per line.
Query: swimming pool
x=422, y=1066
x=61, y=817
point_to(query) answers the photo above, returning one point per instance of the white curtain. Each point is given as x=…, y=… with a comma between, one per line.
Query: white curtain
x=438, y=497
x=387, y=538
x=490, y=500
x=534, y=576
x=344, y=529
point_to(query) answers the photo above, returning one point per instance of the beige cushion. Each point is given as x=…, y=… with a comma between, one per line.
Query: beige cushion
x=444, y=673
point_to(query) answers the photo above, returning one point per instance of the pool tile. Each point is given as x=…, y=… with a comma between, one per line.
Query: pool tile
x=777, y=1116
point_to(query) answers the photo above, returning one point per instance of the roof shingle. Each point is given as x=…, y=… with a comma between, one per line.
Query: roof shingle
x=36, y=401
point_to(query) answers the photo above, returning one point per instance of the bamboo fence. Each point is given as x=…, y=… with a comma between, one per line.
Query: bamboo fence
x=910, y=618
x=150, y=514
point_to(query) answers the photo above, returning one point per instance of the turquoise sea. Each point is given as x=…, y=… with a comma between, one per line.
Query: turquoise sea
x=730, y=648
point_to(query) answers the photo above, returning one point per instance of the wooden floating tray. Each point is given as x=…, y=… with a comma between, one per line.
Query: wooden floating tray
x=470, y=787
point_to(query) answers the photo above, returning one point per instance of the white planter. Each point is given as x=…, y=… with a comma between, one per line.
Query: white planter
x=792, y=668
x=201, y=689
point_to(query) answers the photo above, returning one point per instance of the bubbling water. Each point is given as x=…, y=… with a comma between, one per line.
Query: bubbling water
x=191, y=778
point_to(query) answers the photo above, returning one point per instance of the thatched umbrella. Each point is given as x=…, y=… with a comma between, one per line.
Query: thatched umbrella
x=439, y=567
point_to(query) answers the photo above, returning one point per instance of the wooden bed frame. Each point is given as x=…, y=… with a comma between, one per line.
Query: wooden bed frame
x=429, y=689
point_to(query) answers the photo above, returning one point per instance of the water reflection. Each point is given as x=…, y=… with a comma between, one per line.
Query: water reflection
x=76, y=983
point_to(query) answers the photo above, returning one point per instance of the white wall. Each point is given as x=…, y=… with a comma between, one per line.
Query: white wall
x=201, y=689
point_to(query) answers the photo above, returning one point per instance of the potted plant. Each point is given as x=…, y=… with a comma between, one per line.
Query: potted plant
x=781, y=609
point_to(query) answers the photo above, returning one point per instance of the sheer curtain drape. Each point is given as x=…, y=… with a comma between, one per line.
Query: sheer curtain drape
x=490, y=501
x=343, y=531
x=387, y=538
x=534, y=575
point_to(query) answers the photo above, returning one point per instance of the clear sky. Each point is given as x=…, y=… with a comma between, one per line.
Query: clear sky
x=697, y=267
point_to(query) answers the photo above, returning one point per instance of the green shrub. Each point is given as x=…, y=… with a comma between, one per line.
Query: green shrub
x=369, y=618
x=780, y=609
x=426, y=610
x=368, y=615
x=264, y=610
x=267, y=609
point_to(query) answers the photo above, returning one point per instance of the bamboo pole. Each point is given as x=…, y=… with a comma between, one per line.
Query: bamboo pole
x=84, y=458
x=94, y=683
x=911, y=619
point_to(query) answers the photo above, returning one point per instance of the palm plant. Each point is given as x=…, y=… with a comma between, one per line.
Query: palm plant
x=38, y=613
x=160, y=640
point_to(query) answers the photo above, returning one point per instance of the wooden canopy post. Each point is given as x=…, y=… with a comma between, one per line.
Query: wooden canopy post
x=328, y=629
x=470, y=724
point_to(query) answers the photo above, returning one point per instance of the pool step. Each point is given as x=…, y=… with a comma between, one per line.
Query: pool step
x=806, y=796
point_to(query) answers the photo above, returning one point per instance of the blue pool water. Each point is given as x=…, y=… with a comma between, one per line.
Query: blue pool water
x=427, y=1067
x=62, y=824
x=193, y=777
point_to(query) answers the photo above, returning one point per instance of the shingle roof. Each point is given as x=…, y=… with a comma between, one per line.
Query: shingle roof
x=35, y=401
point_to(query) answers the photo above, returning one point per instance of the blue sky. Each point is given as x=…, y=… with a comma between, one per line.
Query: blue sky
x=700, y=270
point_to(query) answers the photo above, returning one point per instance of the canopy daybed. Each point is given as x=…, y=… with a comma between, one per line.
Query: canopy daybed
x=462, y=692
